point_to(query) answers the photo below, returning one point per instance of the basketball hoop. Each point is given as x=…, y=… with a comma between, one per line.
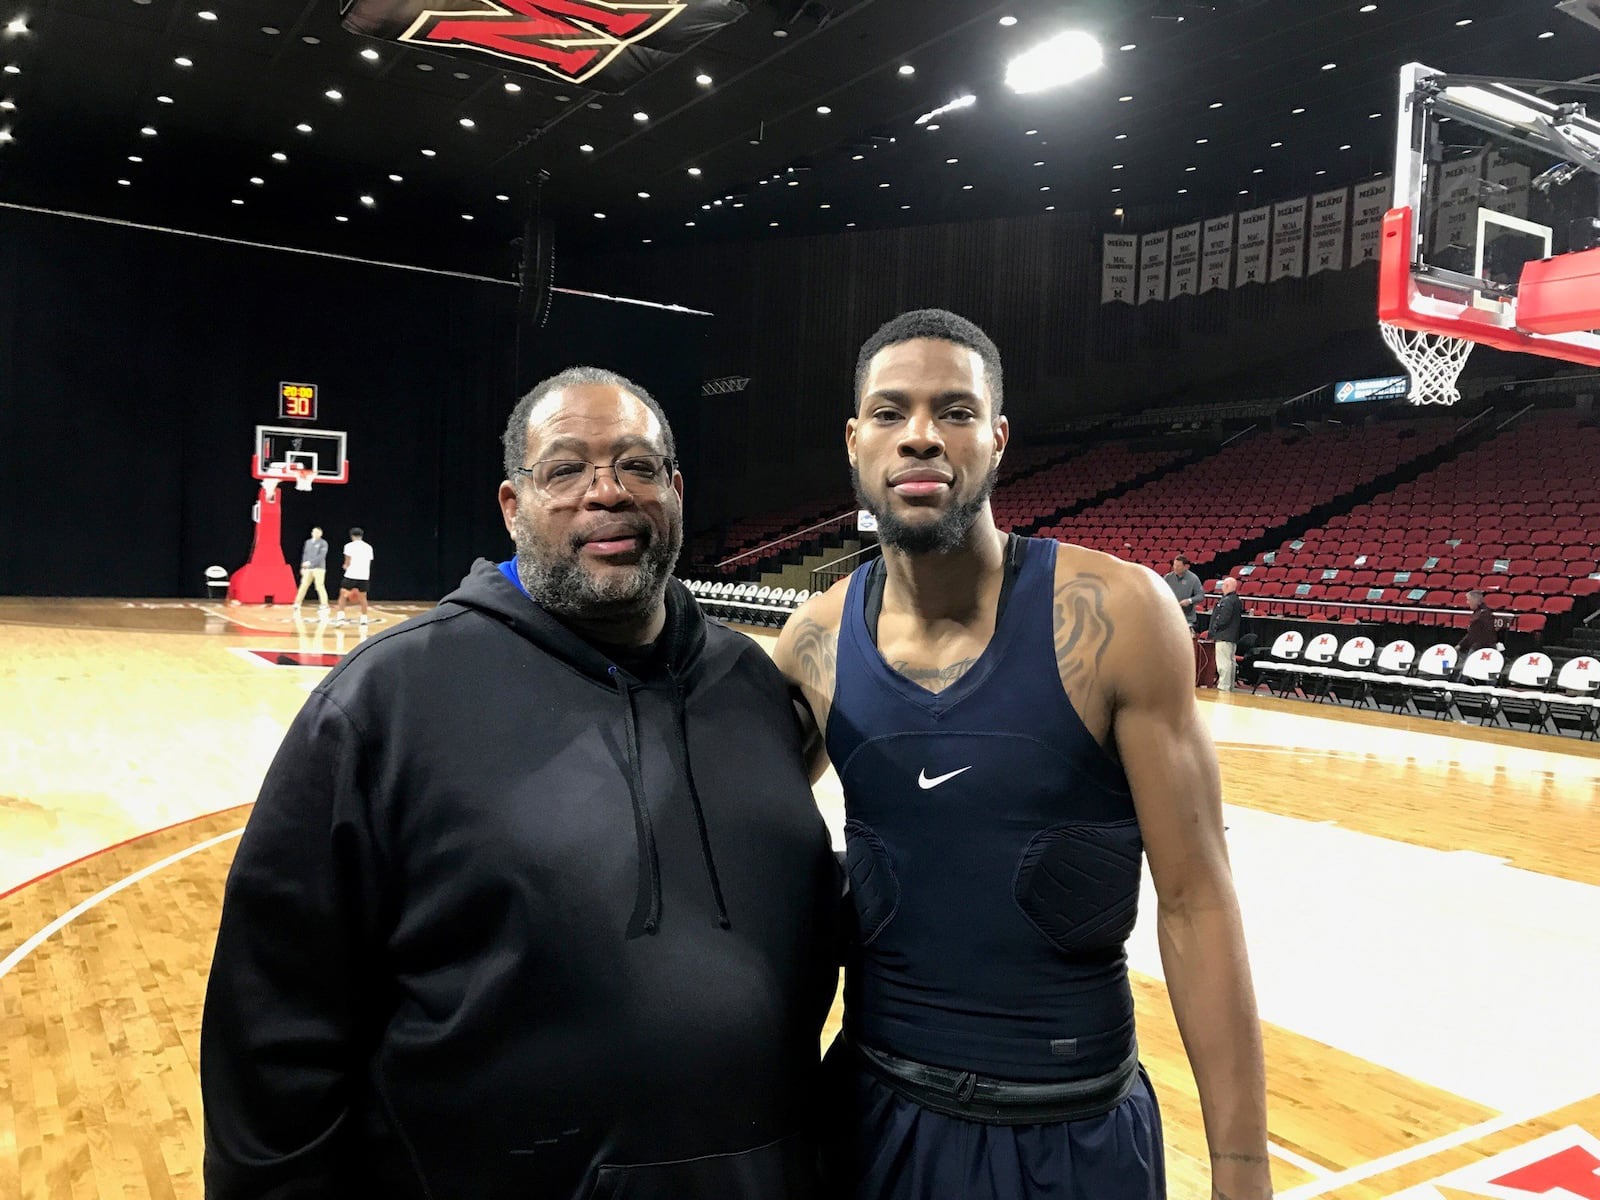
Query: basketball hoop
x=302, y=477
x=1433, y=360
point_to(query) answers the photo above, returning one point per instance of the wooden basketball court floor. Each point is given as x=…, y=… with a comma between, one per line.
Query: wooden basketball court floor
x=1422, y=903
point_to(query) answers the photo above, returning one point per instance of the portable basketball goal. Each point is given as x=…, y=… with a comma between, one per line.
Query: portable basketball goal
x=1483, y=244
x=303, y=457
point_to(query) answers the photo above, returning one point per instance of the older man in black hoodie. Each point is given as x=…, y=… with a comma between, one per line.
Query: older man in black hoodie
x=535, y=901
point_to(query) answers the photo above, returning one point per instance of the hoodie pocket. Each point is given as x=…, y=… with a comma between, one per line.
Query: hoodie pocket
x=782, y=1170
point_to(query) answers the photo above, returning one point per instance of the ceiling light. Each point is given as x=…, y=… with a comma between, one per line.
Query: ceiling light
x=1296, y=111
x=303, y=127
x=1373, y=116
x=1321, y=172
x=334, y=94
x=19, y=25
x=271, y=30
x=738, y=204
x=1049, y=208
x=1124, y=99
x=907, y=69
x=311, y=41
x=1369, y=8
x=159, y=99
x=688, y=224
x=238, y=201
x=883, y=185
x=467, y=123
x=1040, y=163
x=1346, y=146
x=1183, y=191
x=1121, y=137
x=966, y=187
x=1548, y=33
x=641, y=116
x=716, y=203
x=705, y=208
x=368, y=201
x=586, y=148
x=341, y=219
x=904, y=207
x=644, y=195
x=1216, y=104
x=599, y=216
x=424, y=66
x=370, y=54
x=1045, y=188
x=1130, y=46
x=824, y=206
x=257, y=180
x=1329, y=66
x=780, y=33
x=956, y=105
x=1201, y=141
x=1244, y=191
x=695, y=171
x=1059, y=60
x=502, y=197
x=395, y=179
x=1116, y=166
x=949, y=161
x=280, y=156
x=794, y=183
x=430, y=154
x=205, y=14
x=1191, y=168
x=125, y=182
x=11, y=106
x=135, y=158
x=461, y=75
x=646, y=241
x=1008, y=21
x=1029, y=132
x=1277, y=145
x=703, y=80
x=1114, y=191
x=184, y=62
x=513, y=87
x=856, y=157
x=466, y=216
x=1465, y=21
x=148, y=130
x=13, y=69
x=5, y=135
x=823, y=110
x=1258, y=171
x=772, y=225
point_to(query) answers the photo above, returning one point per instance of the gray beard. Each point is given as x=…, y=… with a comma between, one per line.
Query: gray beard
x=556, y=578
x=944, y=536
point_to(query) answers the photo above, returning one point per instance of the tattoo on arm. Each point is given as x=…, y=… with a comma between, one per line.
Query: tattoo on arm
x=815, y=654
x=1083, y=630
x=1238, y=1158
x=934, y=679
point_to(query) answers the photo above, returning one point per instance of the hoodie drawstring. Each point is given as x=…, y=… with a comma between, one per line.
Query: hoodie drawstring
x=647, y=907
x=699, y=812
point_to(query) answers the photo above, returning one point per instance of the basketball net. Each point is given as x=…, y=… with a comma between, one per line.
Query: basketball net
x=1433, y=360
x=303, y=478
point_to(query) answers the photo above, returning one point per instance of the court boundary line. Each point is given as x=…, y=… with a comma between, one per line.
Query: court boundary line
x=128, y=841
x=1422, y=1150
x=1314, y=1169
x=77, y=910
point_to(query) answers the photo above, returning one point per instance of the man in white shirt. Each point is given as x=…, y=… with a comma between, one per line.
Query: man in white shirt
x=357, y=579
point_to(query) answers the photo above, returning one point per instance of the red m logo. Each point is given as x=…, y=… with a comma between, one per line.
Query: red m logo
x=571, y=39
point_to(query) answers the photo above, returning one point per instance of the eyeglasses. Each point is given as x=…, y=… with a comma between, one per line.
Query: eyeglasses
x=566, y=478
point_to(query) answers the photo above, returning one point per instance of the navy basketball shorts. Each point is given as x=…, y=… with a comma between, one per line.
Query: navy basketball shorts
x=880, y=1145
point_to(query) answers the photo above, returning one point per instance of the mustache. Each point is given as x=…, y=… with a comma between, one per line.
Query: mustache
x=634, y=527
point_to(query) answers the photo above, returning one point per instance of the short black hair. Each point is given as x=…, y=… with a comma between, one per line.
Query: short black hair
x=356, y=532
x=515, y=438
x=941, y=325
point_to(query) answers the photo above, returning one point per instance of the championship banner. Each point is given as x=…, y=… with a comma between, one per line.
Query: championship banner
x=1455, y=219
x=1506, y=190
x=1218, y=249
x=1328, y=212
x=1119, y=266
x=607, y=45
x=1254, y=225
x=1368, y=206
x=1289, y=239
x=1186, y=260
x=1153, y=266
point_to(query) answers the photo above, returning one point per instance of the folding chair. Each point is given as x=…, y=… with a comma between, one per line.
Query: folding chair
x=1474, y=693
x=1353, y=684
x=1281, y=662
x=1388, y=683
x=1523, y=700
x=1578, y=710
x=1430, y=687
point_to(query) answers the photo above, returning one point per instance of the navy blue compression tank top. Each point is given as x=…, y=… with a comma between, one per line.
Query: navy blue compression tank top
x=994, y=855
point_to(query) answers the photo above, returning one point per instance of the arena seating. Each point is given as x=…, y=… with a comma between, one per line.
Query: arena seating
x=1213, y=507
x=1040, y=495
x=1514, y=517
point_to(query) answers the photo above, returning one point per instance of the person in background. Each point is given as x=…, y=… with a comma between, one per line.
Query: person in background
x=1227, y=618
x=1482, y=631
x=1185, y=585
x=357, y=581
x=313, y=570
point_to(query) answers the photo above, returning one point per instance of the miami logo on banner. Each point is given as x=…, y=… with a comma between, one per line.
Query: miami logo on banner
x=604, y=44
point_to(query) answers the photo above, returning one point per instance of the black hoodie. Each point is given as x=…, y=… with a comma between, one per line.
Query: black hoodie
x=509, y=921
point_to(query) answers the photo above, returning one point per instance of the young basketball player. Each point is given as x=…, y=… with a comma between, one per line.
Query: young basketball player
x=1014, y=725
x=357, y=581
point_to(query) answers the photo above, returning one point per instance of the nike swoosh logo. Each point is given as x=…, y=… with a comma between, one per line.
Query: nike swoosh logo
x=925, y=783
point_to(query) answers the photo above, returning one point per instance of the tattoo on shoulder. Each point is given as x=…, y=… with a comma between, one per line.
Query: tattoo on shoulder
x=816, y=650
x=1083, y=629
x=935, y=679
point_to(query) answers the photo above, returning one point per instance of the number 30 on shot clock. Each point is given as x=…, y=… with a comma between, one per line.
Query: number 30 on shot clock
x=297, y=401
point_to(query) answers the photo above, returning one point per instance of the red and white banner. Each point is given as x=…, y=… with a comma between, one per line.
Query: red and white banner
x=608, y=45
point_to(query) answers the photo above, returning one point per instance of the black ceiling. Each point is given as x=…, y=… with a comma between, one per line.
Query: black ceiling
x=91, y=74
